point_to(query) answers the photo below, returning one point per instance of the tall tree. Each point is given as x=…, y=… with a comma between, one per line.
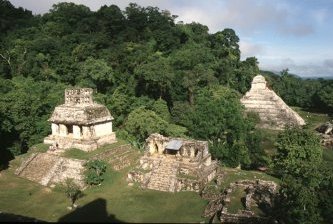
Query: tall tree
x=155, y=76
x=299, y=156
x=195, y=63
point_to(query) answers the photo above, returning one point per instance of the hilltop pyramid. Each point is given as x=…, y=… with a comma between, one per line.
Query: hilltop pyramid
x=274, y=113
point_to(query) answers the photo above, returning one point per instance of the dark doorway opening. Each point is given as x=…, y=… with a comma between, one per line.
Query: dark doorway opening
x=69, y=129
x=171, y=152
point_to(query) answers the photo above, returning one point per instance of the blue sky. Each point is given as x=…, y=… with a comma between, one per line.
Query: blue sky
x=294, y=34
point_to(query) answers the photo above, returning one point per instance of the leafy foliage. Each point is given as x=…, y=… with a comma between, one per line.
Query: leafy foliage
x=306, y=93
x=298, y=161
x=325, y=95
x=94, y=172
x=299, y=153
x=142, y=122
x=155, y=75
x=72, y=191
x=298, y=203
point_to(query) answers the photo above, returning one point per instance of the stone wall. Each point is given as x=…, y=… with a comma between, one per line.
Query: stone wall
x=78, y=96
x=257, y=192
x=103, y=129
x=49, y=169
x=67, y=142
x=166, y=173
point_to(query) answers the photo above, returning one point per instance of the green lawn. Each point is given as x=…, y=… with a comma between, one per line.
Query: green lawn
x=236, y=200
x=312, y=119
x=79, y=154
x=113, y=201
x=232, y=175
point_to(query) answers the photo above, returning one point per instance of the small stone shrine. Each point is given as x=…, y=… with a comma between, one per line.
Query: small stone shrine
x=80, y=122
x=273, y=112
x=174, y=164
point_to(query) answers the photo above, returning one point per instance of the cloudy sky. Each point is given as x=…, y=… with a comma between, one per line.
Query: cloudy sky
x=293, y=34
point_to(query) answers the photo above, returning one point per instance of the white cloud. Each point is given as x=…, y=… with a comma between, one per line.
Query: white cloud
x=274, y=22
x=247, y=16
x=249, y=49
x=328, y=63
x=303, y=69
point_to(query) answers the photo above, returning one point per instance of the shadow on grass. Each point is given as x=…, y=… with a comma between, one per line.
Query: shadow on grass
x=94, y=211
x=12, y=218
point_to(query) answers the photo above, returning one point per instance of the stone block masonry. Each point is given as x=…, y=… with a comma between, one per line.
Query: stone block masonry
x=80, y=122
x=174, y=164
x=48, y=169
x=273, y=112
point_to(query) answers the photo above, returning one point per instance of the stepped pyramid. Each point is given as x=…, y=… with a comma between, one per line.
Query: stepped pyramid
x=48, y=169
x=274, y=113
x=164, y=177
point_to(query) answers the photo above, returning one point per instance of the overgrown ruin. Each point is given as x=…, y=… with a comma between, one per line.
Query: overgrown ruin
x=273, y=112
x=80, y=122
x=257, y=200
x=325, y=132
x=49, y=169
x=174, y=164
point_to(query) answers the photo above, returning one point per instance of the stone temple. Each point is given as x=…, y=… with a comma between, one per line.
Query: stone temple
x=273, y=112
x=174, y=164
x=80, y=122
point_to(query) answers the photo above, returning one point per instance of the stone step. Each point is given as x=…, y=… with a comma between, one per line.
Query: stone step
x=46, y=179
x=38, y=168
x=261, y=106
x=25, y=163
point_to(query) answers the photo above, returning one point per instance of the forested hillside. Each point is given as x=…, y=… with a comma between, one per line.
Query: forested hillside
x=156, y=75
x=148, y=70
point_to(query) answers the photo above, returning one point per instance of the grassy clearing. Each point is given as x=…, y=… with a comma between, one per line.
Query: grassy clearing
x=236, y=200
x=39, y=148
x=79, y=154
x=113, y=201
x=312, y=119
x=232, y=175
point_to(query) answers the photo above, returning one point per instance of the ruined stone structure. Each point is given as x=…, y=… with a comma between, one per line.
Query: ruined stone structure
x=48, y=169
x=80, y=122
x=174, y=164
x=273, y=112
x=257, y=193
x=326, y=134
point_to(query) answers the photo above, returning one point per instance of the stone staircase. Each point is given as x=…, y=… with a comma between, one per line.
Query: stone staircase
x=38, y=167
x=120, y=157
x=164, y=176
x=273, y=112
x=68, y=168
x=48, y=169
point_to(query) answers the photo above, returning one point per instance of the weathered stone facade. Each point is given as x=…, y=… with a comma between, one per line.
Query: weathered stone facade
x=163, y=168
x=274, y=113
x=257, y=193
x=48, y=169
x=80, y=122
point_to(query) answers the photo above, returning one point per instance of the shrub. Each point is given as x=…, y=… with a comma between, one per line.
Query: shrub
x=72, y=191
x=94, y=172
